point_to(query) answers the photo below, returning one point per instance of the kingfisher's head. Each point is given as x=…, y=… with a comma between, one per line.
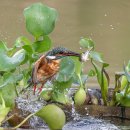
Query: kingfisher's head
x=60, y=52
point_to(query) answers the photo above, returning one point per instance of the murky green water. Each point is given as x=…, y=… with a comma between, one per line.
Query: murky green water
x=107, y=22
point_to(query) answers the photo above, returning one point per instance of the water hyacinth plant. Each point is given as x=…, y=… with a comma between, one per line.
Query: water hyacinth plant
x=16, y=65
x=121, y=95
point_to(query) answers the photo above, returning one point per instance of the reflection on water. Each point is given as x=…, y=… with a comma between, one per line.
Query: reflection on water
x=106, y=22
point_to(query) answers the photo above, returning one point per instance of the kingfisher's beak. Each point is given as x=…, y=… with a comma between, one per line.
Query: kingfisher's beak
x=59, y=56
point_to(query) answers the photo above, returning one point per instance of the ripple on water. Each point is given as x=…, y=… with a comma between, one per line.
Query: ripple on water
x=89, y=123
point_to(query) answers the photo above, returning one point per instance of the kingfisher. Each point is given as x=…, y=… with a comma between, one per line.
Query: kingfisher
x=48, y=65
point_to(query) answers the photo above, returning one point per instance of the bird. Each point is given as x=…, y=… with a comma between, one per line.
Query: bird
x=48, y=65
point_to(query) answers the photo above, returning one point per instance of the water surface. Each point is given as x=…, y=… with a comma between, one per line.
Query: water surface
x=107, y=22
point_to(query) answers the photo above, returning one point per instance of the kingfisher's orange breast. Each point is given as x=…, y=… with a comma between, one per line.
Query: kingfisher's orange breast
x=47, y=69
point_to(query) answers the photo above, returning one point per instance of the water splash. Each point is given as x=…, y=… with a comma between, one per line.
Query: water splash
x=78, y=122
x=89, y=123
x=74, y=114
x=31, y=106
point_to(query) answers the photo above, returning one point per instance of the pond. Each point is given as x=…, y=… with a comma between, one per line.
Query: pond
x=77, y=118
x=106, y=22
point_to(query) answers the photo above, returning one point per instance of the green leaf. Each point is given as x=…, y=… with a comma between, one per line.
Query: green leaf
x=46, y=95
x=28, y=49
x=126, y=101
x=103, y=80
x=62, y=85
x=3, y=46
x=43, y=45
x=9, y=95
x=78, y=65
x=20, y=41
x=128, y=67
x=91, y=73
x=123, y=100
x=3, y=109
x=9, y=63
x=127, y=71
x=96, y=56
x=10, y=78
x=124, y=82
x=40, y=19
x=66, y=70
x=86, y=43
x=61, y=98
x=119, y=96
x=76, y=80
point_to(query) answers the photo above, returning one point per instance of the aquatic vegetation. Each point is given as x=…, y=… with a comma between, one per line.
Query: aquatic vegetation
x=122, y=94
x=80, y=96
x=53, y=116
x=18, y=64
x=3, y=110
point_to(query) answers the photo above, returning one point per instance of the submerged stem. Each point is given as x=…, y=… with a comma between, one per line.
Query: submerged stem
x=8, y=118
x=24, y=121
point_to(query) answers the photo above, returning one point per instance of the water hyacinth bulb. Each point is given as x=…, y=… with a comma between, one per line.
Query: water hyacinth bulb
x=53, y=116
x=80, y=96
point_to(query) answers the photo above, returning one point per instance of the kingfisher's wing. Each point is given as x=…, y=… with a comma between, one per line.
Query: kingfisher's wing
x=36, y=67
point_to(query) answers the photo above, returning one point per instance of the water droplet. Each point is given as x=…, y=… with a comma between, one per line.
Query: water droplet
x=101, y=24
x=91, y=34
x=105, y=15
